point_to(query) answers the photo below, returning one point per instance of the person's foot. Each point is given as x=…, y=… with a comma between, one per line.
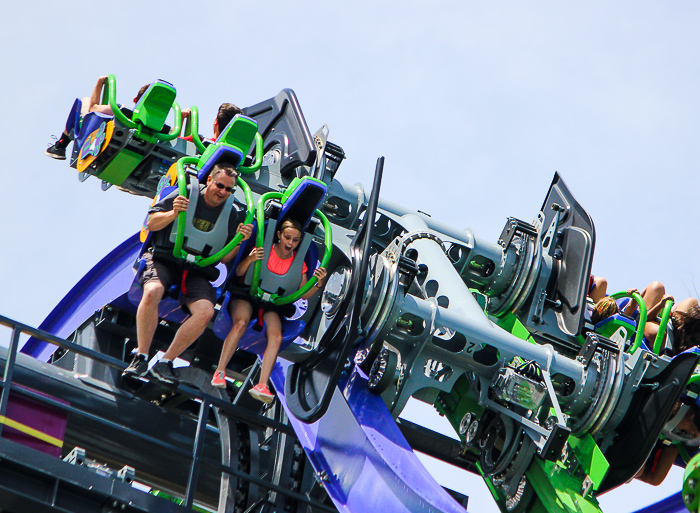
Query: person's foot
x=262, y=393
x=164, y=372
x=55, y=152
x=219, y=379
x=137, y=368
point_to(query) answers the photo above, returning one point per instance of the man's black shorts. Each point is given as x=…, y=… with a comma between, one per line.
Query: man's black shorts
x=196, y=286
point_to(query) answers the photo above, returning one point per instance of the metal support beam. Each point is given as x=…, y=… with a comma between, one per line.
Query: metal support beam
x=196, y=453
x=7, y=374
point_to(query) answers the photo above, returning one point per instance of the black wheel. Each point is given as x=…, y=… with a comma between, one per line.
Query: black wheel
x=499, y=445
x=383, y=371
x=310, y=384
x=521, y=499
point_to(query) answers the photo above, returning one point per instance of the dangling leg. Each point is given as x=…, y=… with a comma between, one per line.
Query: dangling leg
x=154, y=279
x=202, y=311
x=274, y=341
x=241, y=312
x=273, y=324
x=199, y=298
x=598, y=288
x=653, y=293
x=147, y=314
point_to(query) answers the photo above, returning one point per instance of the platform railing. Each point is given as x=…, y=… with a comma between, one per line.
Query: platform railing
x=206, y=401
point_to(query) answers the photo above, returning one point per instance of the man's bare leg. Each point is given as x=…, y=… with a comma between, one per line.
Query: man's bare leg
x=147, y=315
x=202, y=311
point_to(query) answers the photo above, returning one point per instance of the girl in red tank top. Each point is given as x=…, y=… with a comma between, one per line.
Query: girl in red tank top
x=278, y=262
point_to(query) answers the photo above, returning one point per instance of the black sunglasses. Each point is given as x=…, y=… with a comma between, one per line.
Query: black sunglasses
x=224, y=187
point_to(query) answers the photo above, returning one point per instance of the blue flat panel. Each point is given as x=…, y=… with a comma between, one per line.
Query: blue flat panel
x=672, y=504
x=370, y=464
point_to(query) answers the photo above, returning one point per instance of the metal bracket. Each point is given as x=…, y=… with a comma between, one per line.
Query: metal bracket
x=539, y=307
x=556, y=441
x=557, y=437
x=127, y=474
x=585, y=488
x=594, y=343
x=553, y=397
x=553, y=232
x=512, y=228
x=76, y=456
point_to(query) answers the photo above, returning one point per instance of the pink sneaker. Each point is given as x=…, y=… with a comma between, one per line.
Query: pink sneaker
x=219, y=379
x=262, y=393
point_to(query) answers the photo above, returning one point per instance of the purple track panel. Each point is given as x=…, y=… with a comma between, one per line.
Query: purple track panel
x=672, y=504
x=369, y=464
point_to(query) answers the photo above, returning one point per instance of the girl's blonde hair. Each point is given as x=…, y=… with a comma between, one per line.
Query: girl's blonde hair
x=604, y=308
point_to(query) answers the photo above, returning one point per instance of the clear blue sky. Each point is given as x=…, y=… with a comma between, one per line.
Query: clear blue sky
x=474, y=104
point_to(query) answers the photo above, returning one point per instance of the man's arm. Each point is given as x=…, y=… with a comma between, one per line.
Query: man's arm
x=247, y=231
x=159, y=220
x=102, y=109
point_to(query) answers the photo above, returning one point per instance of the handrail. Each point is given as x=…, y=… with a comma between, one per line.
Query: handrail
x=234, y=410
x=255, y=289
x=258, y=157
x=642, y=317
x=177, y=125
x=178, y=252
x=194, y=129
x=665, y=315
x=110, y=92
x=207, y=401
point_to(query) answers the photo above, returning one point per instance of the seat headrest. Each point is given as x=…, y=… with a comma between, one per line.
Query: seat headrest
x=238, y=135
x=153, y=107
x=221, y=154
x=303, y=197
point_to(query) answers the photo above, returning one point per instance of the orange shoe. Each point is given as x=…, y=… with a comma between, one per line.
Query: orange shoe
x=262, y=393
x=219, y=379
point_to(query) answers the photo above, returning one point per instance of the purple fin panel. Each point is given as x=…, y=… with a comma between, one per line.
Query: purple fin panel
x=91, y=122
x=370, y=465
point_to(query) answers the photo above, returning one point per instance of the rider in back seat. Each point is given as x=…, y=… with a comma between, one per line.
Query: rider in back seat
x=682, y=330
x=226, y=112
x=88, y=104
x=242, y=306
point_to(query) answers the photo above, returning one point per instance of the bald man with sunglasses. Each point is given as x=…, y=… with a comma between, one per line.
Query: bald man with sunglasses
x=162, y=271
